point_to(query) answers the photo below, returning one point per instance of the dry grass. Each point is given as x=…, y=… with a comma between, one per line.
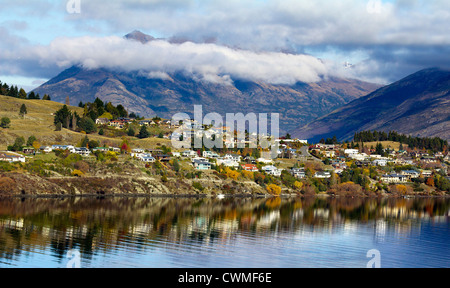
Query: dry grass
x=386, y=144
x=39, y=122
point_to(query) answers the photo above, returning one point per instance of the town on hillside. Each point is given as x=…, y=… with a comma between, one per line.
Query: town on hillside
x=329, y=167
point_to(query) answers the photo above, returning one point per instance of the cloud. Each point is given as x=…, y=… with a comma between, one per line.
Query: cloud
x=207, y=62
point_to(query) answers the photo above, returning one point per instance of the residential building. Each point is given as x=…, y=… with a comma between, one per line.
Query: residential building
x=272, y=170
x=102, y=121
x=11, y=157
x=322, y=175
x=298, y=173
x=410, y=174
x=202, y=165
x=210, y=154
x=82, y=151
x=394, y=178
x=250, y=167
x=379, y=162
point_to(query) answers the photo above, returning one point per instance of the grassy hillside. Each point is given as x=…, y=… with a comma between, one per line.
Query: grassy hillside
x=39, y=122
x=386, y=144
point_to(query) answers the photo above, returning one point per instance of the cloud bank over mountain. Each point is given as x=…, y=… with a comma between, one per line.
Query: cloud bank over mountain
x=209, y=62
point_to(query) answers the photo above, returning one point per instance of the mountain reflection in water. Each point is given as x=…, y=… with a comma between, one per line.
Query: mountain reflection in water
x=167, y=232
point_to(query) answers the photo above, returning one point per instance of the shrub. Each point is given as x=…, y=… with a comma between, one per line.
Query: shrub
x=274, y=189
x=198, y=186
x=77, y=173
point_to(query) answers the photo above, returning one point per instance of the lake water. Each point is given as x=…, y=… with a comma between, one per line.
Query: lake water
x=235, y=233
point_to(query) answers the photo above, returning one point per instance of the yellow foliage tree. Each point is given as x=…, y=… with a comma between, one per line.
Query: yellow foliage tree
x=233, y=174
x=274, y=189
x=298, y=185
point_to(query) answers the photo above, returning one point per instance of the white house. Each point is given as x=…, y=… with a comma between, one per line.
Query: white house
x=82, y=151
x=189, y=153
x=322, y=175
x=46, y=149
x=210, y=154
x=394, y=178
x=264, y=160
x=70, y=148
x=272, y=170
x=11, y=157
x=351, y=151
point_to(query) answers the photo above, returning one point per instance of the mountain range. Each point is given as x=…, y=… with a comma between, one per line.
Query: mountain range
x=177, y=92
x=418, y=105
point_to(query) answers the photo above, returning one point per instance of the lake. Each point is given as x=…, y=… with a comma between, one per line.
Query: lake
x=230, y=233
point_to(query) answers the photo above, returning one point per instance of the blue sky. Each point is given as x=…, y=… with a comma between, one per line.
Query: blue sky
x=384, y=40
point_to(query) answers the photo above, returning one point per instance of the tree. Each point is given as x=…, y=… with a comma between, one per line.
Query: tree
x=274, y=189
x=87, y=125
x=63, y=116
x=22, y=94
x=4, y=123
x=131, y=132
x=23, y=110
x=18, y=144
x=143, y=133
x=46, y=97
x=101, y=132
x=31, y=140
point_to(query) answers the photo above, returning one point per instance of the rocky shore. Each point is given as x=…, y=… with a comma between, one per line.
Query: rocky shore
x=17, y=184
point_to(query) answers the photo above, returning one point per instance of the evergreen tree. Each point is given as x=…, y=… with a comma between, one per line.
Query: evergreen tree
x=143, y=133
x=23, y=110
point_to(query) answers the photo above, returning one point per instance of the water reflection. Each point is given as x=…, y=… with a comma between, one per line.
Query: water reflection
x=160, y=232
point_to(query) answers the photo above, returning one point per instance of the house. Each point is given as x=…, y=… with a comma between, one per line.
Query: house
x=379, y=162
x=227, y=163
x=250, y=160
x=145, y=123
x=202, y=165
x=82, y=151
x=11, y=157
x=189, y=153
x=102, y=121
x=410, y=174
x=101, y=149
x=426, y=173
x=272, y=170
x=264, y=160
x=162, y=157
x=70, y=148
x=394, y=178
x=147, y=158
x=322, y=175
x=429, y=159
x=250, y=167
x=233, y=157
x=28, y=150
x=351, y=151
x=176, y=154
x=46, y=149
x=329, y=154
x=118, y=124
x=298, y=173
x=210, y=154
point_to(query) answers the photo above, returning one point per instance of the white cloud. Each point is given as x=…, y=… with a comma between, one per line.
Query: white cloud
x=207, y=62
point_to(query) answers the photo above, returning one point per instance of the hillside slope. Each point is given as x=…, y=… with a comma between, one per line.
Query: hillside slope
x=417, y=105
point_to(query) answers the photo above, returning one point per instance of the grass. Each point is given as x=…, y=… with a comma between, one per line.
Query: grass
x=386, y=144
x=39, y=123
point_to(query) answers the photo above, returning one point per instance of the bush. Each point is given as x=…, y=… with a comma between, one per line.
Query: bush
x=77, y=173
x=274, y=189
x=198, y=186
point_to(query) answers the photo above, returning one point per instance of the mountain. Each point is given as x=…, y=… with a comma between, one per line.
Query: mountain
x=167, y=94
x=418, y=105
